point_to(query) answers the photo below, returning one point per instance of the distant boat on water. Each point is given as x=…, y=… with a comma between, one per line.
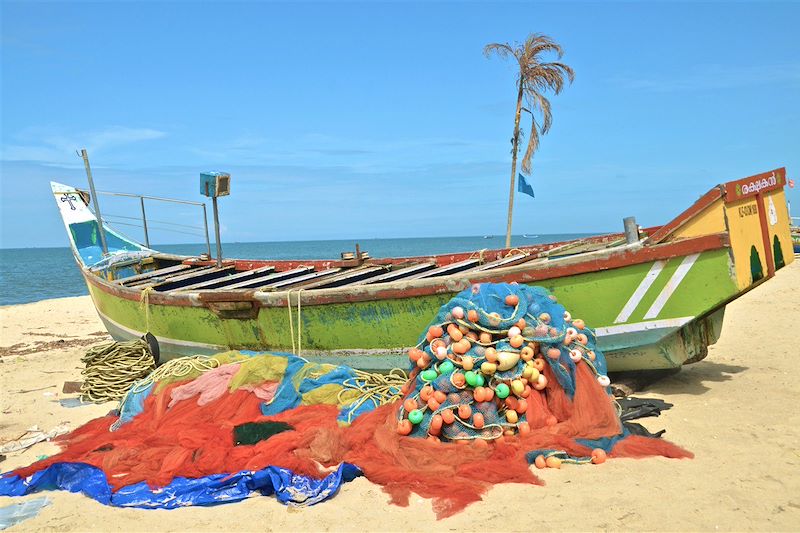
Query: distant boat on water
x=655, y=298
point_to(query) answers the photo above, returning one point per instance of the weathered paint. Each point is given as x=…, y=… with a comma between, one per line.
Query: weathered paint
x=396, y=323
x=696, y=210
x=673, y=318
x=709, y=220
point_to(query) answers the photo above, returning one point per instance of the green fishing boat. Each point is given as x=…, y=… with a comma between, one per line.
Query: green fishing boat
x=656, y=297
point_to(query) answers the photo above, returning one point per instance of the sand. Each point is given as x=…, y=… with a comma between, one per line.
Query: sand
x=736, y=410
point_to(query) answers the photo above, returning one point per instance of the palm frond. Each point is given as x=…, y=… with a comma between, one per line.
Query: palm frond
x=502, y=50
x=537, y=77
x=533, y=144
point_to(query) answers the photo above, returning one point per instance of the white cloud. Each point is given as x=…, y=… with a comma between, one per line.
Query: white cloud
x=50, y=146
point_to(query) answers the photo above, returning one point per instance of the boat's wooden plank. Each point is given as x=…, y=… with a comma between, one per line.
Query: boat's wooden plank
x=397, y=274
x=291, y=282
x=446, y=270
x=229, y=280
x=161, y=279
x=503, y=262
x=270, y=278
x=178, y=276
x=194, y=277
x=345, y=278
x=158, y=272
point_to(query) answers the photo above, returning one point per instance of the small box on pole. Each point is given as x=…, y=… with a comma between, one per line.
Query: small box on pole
x=214, y=184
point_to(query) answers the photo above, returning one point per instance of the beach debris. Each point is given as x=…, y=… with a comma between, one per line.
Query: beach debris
x=15, y=513
x=72, y=402
x=112, y=368
x=24, y=391
x=71, y=387
x=33, y=436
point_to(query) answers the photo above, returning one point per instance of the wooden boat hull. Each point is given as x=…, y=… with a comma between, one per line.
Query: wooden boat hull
x=653, y=305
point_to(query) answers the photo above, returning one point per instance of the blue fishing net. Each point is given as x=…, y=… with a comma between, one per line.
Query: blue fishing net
x=494, y=337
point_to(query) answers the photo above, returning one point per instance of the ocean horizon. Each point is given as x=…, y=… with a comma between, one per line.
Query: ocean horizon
x=33, y=274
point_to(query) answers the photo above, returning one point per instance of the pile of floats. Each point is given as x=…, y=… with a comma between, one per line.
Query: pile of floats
x=486, y=365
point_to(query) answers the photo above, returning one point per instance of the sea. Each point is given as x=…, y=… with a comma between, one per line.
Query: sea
x=34, y=274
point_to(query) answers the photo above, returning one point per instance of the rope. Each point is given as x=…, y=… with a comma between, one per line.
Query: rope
x=144, y=303
x=378, y=388
x=291, y=319
x=174, y=368
x=480, y=253
x=112, y=367
x=514, y=251
x=299, y=324
x=296, y=347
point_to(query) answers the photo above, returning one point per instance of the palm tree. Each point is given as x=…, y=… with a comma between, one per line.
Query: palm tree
x=534, y=78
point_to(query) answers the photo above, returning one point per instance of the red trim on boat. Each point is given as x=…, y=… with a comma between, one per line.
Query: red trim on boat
x=755, y=185
x=524, y=273
x=705, y=201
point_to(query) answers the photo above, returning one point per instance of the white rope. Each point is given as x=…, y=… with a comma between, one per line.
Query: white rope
x=299, y=324
x=291, y=319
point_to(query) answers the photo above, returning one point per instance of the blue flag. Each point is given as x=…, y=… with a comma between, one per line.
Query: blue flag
x=525, y=187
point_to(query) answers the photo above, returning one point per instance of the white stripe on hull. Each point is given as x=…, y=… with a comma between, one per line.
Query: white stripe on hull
x=636, y=327
x=672, y=284
x=640, y=291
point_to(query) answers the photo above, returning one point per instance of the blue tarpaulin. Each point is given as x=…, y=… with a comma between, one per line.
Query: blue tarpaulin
x=289, y=488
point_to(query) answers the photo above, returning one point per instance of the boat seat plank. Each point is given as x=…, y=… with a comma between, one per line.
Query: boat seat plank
x=503, y=262
x=398, y=273
x=162, y=279
x=262, y=281
x=194, y=277
x=446, y=270
x=291, y=282
x=345, y=278
x=229, y=280
x=147, y=275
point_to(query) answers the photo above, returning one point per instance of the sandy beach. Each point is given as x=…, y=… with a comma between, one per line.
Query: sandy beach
x=735, y=410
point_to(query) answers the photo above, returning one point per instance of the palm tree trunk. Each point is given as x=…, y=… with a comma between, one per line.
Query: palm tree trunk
x=515, y=144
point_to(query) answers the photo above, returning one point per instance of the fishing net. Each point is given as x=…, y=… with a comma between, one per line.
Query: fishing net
x=503, y=377
x=503, y=359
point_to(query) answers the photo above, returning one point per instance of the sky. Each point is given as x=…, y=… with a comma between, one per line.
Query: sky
x=384, y=119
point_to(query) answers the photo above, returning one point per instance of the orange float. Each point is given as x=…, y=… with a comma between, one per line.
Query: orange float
x=454, y=332
x=405, y=427
x=553, y=462
x=448, y=417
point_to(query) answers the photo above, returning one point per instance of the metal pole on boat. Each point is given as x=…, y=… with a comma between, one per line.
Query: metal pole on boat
x=631, y=230
x=144, y=223
x=205, y=224
x=216, y=231
x=213, y=184
x=96, y=204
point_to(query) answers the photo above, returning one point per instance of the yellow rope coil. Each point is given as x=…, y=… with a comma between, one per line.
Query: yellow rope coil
x=111, y=368
x=176, y=368
x=378, y=388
